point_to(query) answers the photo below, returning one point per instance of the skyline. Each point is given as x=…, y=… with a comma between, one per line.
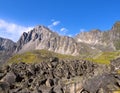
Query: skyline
x=66, y=17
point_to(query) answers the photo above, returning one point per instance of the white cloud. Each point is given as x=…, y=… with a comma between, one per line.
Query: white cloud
x=63, y=31
x=12, y=30
x=54, y=23
x=70, y=35
x=82, y=30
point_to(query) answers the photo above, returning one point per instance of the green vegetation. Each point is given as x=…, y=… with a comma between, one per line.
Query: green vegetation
x=105, y=57
x=118, y=71
x=27, y=57
x=118, y=91
x=37, y=56
x=44, y=55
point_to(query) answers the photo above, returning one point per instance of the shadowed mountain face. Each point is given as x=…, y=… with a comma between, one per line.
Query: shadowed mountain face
x=7, y=47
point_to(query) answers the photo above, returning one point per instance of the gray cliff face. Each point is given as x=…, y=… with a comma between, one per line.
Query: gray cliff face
x=7, y=47
x=92, y=37
x=91, y=42
x=115, y=35
x=42, y=38
x=96, y=39
x=104, y=41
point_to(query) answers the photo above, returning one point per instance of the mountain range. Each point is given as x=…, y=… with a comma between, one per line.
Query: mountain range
x=83, y=44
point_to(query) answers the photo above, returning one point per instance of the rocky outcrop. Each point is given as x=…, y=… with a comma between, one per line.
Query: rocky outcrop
x=7, y=47
x=59, y=76
x=106, y=82
x=53, y=76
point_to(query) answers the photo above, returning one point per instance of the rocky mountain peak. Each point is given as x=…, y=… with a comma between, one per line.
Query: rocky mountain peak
x=35, y=35
x=103, y=40
x=7, y=48
x=42, y=37
x=41, y=29
x=95, y=31
x=91, y=37
x=6, y=44
x=116, y=26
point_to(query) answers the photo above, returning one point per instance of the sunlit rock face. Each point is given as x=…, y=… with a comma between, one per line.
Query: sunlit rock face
x=103, y=40
x=43, y=38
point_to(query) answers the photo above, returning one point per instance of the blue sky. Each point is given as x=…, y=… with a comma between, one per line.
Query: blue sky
x=67, y=17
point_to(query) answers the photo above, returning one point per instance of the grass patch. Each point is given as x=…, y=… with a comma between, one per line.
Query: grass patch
x=27, y=57
x=105, y=57
x=44, y=55
x=116, y=91
x=37, y=56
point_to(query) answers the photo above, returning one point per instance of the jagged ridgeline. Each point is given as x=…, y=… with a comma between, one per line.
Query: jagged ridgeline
x=88, y=45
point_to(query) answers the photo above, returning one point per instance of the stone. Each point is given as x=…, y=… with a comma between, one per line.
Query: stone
x=4, y=87
x=9, y=78
x=58, y=89
x=49, y=82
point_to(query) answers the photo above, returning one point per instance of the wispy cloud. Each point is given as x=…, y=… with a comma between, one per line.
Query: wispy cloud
x=60, y=30
x=63, y=31
x=70, y=35
x=54, y=23
x=11, y=30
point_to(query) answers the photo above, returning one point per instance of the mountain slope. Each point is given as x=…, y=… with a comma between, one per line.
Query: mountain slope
x=7, y=47
x=43, y=38
x=85, y=44
x=105, y=41
x=37, y=56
